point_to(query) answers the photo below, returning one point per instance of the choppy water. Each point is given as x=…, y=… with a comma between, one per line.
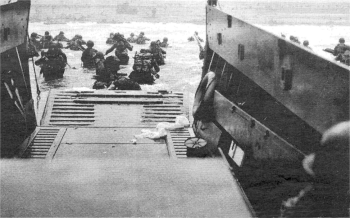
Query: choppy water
x=183, y=67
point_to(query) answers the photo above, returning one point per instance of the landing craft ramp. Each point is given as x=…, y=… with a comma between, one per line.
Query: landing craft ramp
x=81, y=162
x=94, y=124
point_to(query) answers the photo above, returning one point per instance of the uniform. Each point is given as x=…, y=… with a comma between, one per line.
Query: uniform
x=121, y=49
x=87, y=57
x=76, y=43
x=61, y=37
x=52, y=62
x=46, y=40
x=131, y=39
x=145, y=71
x=164, y=44
x=124, y=84
x=110, y=40
x=141, y=39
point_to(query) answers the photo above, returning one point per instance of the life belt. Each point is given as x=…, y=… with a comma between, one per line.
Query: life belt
x=203, y=100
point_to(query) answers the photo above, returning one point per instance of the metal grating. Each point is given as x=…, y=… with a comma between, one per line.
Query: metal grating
x=41, y=144
x=167, y=112
x=66, y=112
x=177, y=140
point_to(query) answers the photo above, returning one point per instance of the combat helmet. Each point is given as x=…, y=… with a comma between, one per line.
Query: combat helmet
x=61, y=33
x=99, y=55
x=34, y=35
x=47, y=33
x=90, y=44
x=306, y=43
x=165, y=39
x=132, y=34
x=342, y=40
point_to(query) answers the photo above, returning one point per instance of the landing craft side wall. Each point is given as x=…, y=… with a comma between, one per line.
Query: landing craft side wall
x=14, y=24
x=311, y=87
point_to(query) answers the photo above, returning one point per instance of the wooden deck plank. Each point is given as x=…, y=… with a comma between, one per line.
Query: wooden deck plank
x=71, y=115
x=72, y=108
x=72, y=104
x=72, y=112
x=106, y=95
x=162, y=106
x=70, y=119
x=120, y=100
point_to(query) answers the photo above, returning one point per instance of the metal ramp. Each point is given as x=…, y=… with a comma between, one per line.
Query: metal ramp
x=87, y=123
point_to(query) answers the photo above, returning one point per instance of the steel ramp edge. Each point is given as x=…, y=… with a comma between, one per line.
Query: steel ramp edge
x=42, y=144
x=175, y=141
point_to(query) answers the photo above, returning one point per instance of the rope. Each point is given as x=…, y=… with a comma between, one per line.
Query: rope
x=36, y=80
x=20, y=64
x=211, y=61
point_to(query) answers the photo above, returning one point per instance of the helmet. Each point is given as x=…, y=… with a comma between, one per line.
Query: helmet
x=153, y=43
x=54, y=45
x=132, y=34
x=342, y=40
x=80, y=36
x=142, y=33
x=61, y=32
x=99, y=55
x=34, y=35
x=165, y=39
x=47, y=33
x=306, y=43
x=196, y=32
x=90, y=43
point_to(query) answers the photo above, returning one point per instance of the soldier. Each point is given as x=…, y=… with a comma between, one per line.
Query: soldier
x=121, y=49
x=141, y=39
x=88, y=55
x=110, y=40
x=34, y=45
x=294, y=39
x=341, y=51
x=76, y=43
x=164, y=44
x=157, y=52
x=327, y=194
x=341, y=47
x=46, y=40
x=123, y=83
x=144, y=71
x=61, y=37
x=34, y=40
x=52, y=62
x=131, y=39
x=102, y=75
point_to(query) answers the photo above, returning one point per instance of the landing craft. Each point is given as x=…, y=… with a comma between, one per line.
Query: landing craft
x=261, y=107
x=265, y=102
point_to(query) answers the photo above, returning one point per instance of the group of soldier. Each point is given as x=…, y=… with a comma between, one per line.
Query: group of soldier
x=145, y=67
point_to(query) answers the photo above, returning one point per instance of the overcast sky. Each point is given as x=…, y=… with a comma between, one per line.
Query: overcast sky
x=131, y=1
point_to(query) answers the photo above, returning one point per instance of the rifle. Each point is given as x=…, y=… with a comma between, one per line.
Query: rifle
x=329, y=50
x=201, y=49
